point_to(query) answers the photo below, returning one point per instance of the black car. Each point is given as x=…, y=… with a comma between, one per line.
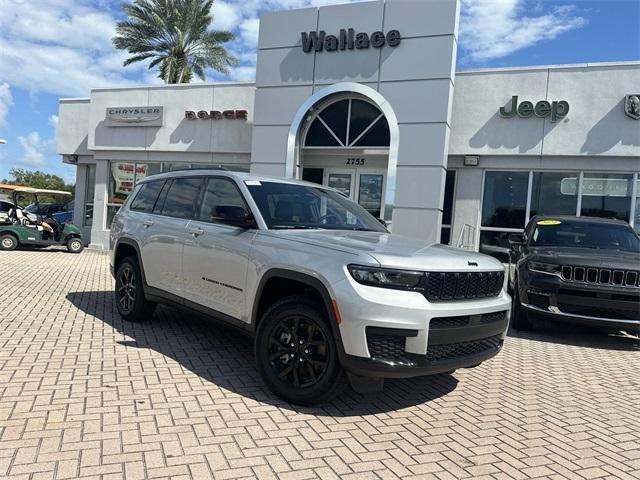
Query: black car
x=581, y=270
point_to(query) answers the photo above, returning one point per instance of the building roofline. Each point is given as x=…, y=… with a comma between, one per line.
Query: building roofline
x=74, y=100
x=531, y=68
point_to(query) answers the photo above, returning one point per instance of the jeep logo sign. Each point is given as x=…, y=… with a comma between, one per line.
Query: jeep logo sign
x=557, y=110
x=348, y=40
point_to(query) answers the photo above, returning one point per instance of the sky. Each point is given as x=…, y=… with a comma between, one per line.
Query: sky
x=62, y=48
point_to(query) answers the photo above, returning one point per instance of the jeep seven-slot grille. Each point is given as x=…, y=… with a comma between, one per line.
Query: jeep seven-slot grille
x=462, y=285
x=601, y=276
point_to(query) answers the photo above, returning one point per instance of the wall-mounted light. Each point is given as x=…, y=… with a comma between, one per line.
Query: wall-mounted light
x=471, y=160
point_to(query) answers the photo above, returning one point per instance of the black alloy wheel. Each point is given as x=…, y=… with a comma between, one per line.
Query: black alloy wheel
x=296, y=353
x=126, y=289
x=129, y=292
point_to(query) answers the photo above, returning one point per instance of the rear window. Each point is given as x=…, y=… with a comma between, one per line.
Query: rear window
x=146, y=197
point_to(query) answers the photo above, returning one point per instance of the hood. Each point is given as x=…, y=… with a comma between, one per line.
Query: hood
x=395, y=251
x=587, y=257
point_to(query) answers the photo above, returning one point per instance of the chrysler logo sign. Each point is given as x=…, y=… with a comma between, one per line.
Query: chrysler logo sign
x=134, y=116
x=348, y=40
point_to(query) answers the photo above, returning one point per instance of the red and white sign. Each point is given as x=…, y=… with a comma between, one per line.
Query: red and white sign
x=216, y=114
x=126, y=175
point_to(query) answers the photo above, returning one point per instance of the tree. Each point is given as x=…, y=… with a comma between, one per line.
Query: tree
x=175, y=35
x=38, y=179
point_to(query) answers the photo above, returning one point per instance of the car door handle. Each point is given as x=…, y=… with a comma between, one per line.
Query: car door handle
x=196, y=231
x=147, y=223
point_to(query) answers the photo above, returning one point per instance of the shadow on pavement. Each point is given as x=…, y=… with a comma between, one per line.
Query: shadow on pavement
x=580, y=336
x=225, y=358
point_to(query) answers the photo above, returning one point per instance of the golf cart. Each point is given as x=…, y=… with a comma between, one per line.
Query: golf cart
x=20, y=227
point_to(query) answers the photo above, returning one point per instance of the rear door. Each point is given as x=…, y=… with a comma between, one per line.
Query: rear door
x=217, y=256
x=165, y=233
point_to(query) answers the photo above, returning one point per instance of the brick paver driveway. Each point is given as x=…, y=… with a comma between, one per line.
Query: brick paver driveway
x=83, y=394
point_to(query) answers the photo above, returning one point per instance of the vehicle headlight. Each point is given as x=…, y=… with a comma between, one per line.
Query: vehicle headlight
x=386, y=278
x=550, y=268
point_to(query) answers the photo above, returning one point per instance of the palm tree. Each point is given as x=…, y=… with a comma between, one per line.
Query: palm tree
x=175, y=35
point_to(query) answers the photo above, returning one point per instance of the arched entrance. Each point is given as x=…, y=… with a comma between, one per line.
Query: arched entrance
x=346, y=136
x=345, y=145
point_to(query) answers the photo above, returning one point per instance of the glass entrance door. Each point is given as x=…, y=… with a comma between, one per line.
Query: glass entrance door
x=364, y=185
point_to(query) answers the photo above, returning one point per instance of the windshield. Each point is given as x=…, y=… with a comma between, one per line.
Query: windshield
x=556, y=233
x=294, y=206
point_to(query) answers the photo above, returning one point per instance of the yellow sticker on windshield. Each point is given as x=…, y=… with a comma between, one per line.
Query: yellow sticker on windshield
x=549, y=222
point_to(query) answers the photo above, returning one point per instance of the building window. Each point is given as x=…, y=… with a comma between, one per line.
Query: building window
x=348, y=123
x=447, y=210
x=554, y=193
x=607, y=195
x=89, y=192
x=511, y=199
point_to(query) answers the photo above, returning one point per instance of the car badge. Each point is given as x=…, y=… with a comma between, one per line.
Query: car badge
x=632, y=106
x=472, y=264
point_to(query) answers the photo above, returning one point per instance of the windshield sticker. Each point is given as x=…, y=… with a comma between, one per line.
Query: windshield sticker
x=549, y=222
x=253, y=183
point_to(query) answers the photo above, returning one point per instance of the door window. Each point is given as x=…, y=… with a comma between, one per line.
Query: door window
x=370, y=193
x=181, y=197
x=146, y=197
x=220, y=192
x=341, y=182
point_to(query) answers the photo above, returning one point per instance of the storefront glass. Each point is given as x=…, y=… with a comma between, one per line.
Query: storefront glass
x=505, y=209
x=504, y=203
x=607, y=195
x=89, y=192
x=554, y=193
x=447, y=209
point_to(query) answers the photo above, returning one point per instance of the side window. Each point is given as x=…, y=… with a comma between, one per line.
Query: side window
x=182, y=198
x=220, y=192
x=146, y=197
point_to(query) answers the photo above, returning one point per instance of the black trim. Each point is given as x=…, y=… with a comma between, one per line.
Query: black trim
x=157, y=295
x=130, y=243
x=419, y=365
x=392, y=332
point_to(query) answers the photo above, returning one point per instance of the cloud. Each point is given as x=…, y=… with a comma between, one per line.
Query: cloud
x=491, y=29
x=60, y=46
x=226, y=16
x=34, y=149
x=6, y=100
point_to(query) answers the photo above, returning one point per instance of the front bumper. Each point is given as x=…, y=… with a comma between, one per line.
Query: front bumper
x=580, y=303
x=394, y=334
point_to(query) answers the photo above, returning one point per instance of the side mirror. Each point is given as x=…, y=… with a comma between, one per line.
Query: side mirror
x=516, y=239
x=233, y=215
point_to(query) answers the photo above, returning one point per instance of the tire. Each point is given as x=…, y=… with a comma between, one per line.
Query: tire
x=519, y=316
x=129, y=292
x=8, y=242
x=75, y=245
x=312, y=373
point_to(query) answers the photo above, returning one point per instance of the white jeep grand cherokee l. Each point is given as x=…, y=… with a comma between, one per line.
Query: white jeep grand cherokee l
x=327, y=292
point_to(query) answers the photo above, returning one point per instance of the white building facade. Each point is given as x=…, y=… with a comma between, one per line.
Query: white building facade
x=365, y=98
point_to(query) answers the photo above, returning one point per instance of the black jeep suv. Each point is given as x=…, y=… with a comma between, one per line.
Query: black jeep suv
x=581, y=270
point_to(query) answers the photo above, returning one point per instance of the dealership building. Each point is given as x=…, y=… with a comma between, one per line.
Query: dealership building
x=365, y=98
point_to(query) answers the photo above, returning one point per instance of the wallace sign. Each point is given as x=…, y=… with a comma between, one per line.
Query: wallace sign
x=348, y=40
